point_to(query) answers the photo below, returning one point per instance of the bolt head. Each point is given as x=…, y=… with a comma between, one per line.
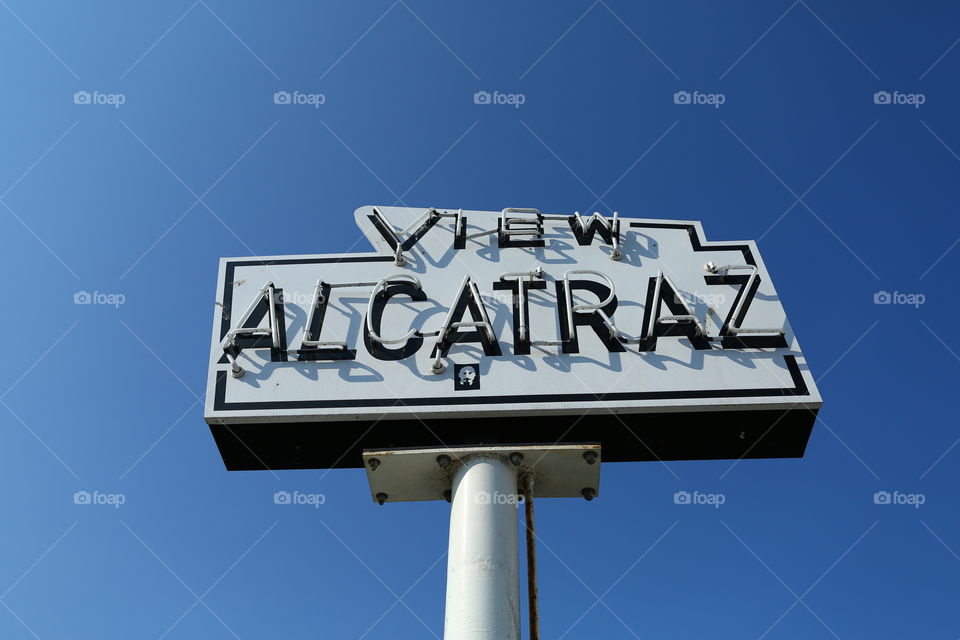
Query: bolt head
x=374, y=463
x=444, y=461
x=590, y=457
x=589, y=493
x=516, y=458
x=381, y=498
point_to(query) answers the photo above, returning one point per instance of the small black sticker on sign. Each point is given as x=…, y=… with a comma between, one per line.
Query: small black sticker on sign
x=466, y=377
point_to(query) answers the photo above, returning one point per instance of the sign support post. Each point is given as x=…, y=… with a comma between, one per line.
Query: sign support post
x=483, y=487
x=483, y=580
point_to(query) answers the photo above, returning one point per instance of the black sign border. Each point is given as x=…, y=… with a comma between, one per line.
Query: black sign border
x=220, y=404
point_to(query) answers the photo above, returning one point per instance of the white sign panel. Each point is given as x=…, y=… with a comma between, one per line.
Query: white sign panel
x=469, y=327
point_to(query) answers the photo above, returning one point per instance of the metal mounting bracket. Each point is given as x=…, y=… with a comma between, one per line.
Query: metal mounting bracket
x=411, y=475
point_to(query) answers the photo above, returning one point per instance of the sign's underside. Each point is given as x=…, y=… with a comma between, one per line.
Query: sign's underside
x=514, y=327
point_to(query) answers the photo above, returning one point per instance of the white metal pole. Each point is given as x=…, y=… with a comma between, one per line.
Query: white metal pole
x=483, y=575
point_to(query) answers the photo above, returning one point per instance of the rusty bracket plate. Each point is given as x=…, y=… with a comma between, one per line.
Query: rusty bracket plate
x=410, y=475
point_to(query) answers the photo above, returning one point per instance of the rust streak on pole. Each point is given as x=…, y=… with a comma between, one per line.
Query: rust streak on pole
x=534, y=612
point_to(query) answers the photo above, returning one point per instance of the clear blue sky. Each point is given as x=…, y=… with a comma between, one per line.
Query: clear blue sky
x=846, y=196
